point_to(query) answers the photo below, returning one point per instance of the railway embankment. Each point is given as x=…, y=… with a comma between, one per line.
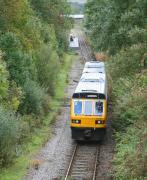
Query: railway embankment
x=116, y=30
x=128, y=105
x=56, y=155
x=27, y=157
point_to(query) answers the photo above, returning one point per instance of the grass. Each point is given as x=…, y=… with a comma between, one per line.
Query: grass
x=18, y=170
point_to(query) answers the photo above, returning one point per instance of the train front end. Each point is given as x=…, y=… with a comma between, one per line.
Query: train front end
x=88, y=114
x=88, y=117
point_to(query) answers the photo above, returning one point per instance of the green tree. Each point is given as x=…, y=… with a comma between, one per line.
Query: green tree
x=14, y=12
x=112, y=22
x=53, y=13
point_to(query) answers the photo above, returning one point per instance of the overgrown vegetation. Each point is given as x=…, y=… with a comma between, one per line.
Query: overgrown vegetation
x=33, y=43
x=34, y=140
x=77, y=8
x=118, y=28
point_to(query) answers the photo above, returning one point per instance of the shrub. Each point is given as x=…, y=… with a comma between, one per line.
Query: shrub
x=33, y=100
x=3, y=79
x=19, y=64
x=15, y=96
x=127, y=63
x=131, y=157
x=48, y=67
x=9, y=42
x=10, y=132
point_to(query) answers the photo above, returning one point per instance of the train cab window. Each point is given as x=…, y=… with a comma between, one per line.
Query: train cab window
x=88, y=108
x=98, y=108
x=78, y=107
x=71, y=38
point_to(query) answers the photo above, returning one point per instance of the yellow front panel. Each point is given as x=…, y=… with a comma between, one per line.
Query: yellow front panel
x=89, y=121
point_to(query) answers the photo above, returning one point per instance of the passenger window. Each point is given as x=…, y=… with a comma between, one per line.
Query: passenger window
x=98, y=108
x=88, y=108
x=78, y=107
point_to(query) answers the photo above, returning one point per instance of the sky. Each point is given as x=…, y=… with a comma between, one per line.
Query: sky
x=79, y=1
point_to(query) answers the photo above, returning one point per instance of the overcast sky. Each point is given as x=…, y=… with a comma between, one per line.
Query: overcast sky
x=79, y=1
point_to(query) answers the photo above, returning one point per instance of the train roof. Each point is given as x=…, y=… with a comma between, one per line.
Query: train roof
x=94, y=70
x=91, y=83
x=94, y=64
x=93, y=77
x=91, y=87
x=74, y=43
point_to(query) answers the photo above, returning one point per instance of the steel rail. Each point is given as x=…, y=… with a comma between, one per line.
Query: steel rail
x=71, y=161
x=89, y=55
x=96, y=163
x=81, y=50
x=83, y=47
x=87, y=47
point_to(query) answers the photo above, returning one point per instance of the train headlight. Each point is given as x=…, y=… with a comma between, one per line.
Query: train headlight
x=76, y=121
x=99, y=122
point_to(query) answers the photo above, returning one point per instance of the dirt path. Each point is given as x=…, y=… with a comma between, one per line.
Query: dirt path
x=54, y=157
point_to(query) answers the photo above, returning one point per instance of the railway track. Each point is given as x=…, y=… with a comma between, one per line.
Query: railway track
x=84, y=48
x=84, y=162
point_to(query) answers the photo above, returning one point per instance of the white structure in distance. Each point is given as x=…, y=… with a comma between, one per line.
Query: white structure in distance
x=77, y=16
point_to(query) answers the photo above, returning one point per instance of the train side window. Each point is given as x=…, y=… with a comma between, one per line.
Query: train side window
x=78, y=107
x=88, y=108
x=98, y=108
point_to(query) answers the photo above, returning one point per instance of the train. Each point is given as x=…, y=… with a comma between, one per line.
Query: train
x=74, y=42
x=88, y=110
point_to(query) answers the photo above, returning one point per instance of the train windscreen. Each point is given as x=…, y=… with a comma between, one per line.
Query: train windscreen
x=98, y=108
x=88, y=108
x=77, y=107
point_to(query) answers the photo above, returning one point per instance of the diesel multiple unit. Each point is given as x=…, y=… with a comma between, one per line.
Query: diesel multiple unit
x=89, y=103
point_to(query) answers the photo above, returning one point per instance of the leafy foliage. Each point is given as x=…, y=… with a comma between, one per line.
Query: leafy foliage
x=33, y=40
x=3, y=79
x=112, y=22
x=134, y=156
x=10, y=132
x=119, y=29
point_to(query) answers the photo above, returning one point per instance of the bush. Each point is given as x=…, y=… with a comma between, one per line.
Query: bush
x=10, y=132
x=19, y=64
x=34, y=99
x=48, y=67
x=127, y=63
x=128, y=110
x=4, y=84
x=9, y=42
x=131, y=157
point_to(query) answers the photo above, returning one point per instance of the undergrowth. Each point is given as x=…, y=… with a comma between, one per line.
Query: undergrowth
x=129, y=113
x=34, y=141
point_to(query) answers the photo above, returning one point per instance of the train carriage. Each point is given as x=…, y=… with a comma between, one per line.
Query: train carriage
x=94, y=64
x=94, y=67
x=74, y=42
x=89, y=107
x=94, y=70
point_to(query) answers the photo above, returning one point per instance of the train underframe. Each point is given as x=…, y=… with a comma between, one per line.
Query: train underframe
x=89, y=134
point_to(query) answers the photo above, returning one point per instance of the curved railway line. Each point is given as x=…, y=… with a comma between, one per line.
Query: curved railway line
x=84, y=162
x=84, y=48
x=62, y=158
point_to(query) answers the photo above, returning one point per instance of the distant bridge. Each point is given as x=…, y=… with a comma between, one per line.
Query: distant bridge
x=77, y=16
